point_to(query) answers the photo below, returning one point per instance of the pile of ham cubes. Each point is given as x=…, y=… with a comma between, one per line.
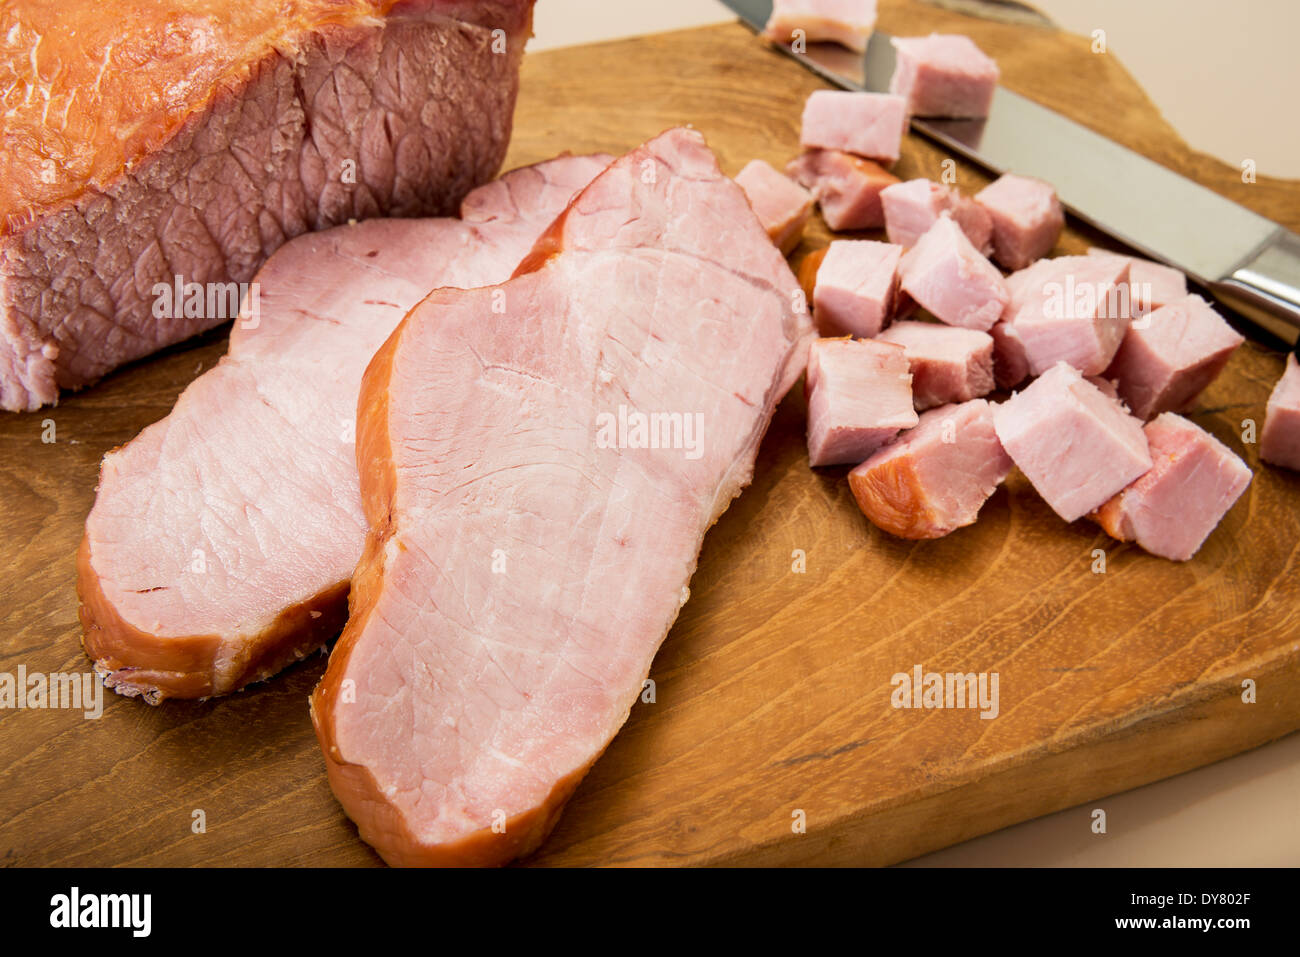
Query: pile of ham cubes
x=1102, y=352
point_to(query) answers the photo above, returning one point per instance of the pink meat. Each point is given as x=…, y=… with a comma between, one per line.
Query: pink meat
x=1167, y=358
x=1010, y=363
x=1076, y=446
x=865, y=124
x=1151, y=285
x=1071, y=309
x=948, y=363
x=223, y=537
x=1027, y=218
x=525, y=559
x=782, y=205
x=855, y=288
x=1279, y=443
x=846, y=22
x=1193, y=481
x=1107, y=387
x=846, y=187
x=943, y=75
x=911, y=208
x=948, y=276
x=935, y=478
x=859, y=397
x=192, y=139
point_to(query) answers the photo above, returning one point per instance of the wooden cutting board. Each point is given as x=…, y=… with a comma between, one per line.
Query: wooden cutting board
x=773, y=690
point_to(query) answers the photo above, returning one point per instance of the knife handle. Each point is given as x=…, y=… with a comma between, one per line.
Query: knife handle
x=1266, y=286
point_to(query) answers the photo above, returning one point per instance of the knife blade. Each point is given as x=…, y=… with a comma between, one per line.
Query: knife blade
x=1244, y=260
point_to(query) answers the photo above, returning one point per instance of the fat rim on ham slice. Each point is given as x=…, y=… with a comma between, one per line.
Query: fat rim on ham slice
x=439, y=647
x=255, y=467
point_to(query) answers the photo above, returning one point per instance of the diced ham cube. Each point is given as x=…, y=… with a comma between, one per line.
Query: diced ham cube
x=911, y=208
x=1076, y=446
x=855, y=287
x=948, y=363
x=1010, y=363
x=944, y=75
x=933, y=479
x=865, y=124
x=948, y=276
x=1193, y=481
x=847, y=187
x=1073, y=309
x=1151, y=285
x=846, y=22
x=1168, y=357
x=1279, y=443
x=782, y=205
x=859, y=397
x=1027, y=218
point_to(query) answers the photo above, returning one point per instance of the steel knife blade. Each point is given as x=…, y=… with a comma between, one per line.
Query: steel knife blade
x=1245, y=260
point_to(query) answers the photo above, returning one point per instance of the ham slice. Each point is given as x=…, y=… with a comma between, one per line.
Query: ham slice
x=192, y=138
x=525, y=557
x=1193, y=481
x=223, y=537
x=933, y=479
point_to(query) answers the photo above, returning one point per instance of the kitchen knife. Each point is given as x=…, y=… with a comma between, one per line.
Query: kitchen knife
x=1246, y=261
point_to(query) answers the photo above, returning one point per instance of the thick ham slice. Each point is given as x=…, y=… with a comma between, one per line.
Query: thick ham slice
x=191, y=138
x=525, y=557
x=223, y=537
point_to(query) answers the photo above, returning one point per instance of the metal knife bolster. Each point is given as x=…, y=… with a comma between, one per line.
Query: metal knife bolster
x=1266, y=285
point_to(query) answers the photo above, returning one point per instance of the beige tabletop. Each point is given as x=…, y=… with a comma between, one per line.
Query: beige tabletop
x=1230, y=93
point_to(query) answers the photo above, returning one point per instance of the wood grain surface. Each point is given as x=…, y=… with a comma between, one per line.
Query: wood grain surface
x=773, y=690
